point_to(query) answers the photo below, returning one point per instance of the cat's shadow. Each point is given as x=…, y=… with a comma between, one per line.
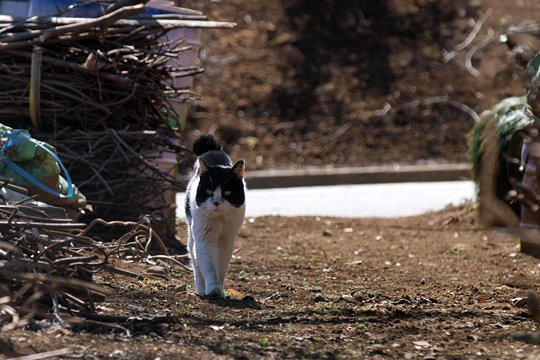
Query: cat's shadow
x=246, y=302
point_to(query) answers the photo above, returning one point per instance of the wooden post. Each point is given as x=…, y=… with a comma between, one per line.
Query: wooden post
x=34, y=99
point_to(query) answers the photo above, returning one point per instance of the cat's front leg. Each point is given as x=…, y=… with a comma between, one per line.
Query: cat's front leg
x=197, y=274
x=213, y=285
x=208, y=267
x=200, y=288
x=220, y=263
x=207, y=281
x=226, y=247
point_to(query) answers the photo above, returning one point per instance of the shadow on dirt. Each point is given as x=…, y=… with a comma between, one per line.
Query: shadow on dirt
x=356, y=38
x=247, y=302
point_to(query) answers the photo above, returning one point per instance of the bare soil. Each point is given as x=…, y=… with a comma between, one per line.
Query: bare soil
x=433, y=286
x=302, y=83
x=351, y=83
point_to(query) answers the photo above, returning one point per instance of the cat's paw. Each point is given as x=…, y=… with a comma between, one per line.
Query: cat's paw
x=200, y=292
x=200, y=289
x=215, y=292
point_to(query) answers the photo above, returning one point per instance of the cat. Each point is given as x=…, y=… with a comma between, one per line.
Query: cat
x=215, y=209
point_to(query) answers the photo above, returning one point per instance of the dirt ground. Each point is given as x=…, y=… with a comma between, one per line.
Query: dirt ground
x=433, y=286
x=284, y=90
x=352, y=83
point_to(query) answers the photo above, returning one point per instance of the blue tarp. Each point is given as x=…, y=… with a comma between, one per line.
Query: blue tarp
x=70, y=8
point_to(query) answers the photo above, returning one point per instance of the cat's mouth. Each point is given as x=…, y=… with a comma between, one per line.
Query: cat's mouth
x=215, y=210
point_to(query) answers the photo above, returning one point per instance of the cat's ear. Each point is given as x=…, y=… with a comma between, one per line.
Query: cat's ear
x=239, y=169
x=203, y=166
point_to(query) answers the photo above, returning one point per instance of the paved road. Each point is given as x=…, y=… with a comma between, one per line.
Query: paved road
x=373, y=200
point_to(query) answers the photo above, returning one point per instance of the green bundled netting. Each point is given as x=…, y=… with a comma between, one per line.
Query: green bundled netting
x=511, y=115
x=29, y=155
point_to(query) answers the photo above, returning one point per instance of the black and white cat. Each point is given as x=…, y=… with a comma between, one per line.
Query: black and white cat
x=215, y=209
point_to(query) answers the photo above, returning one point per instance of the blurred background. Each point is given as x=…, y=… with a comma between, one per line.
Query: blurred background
x=354, y=82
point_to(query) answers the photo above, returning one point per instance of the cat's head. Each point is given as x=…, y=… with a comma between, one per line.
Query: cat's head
x=220, y=188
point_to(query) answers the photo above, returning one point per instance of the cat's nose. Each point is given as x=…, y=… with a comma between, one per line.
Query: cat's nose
x=217, y=203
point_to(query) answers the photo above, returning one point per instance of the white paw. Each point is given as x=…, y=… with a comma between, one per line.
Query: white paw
x=200, y=292
x=200, y=288
x=215, y=291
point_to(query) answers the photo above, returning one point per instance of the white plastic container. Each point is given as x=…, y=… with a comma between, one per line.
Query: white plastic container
x=15, y=8
x=191, y=38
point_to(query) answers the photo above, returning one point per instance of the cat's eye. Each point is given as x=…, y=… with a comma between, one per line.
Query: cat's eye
x=227, y=193
x=209, y=192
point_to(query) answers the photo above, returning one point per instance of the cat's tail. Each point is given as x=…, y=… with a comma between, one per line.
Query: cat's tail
x=205, y=143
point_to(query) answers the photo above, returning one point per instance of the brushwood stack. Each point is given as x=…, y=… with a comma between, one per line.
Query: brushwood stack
x=47, y=261
x=103, y=90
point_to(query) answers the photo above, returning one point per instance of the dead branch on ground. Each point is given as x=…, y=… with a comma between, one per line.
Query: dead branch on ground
x=47, y=263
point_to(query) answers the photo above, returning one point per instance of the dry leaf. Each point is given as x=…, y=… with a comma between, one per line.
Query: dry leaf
x=235, y=294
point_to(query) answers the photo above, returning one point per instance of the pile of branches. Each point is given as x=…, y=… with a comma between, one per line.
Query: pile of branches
x=524, y=40
x=116, y=170
x=100, y=91
x=90, y=73
x=47, y=261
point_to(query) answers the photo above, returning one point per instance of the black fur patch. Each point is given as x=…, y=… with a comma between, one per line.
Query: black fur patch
x=204, y=144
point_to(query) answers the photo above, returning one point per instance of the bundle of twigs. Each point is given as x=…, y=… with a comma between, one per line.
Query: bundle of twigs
x=528, y=26
x=94, y=73
x=100, y=91
x=116, y=170
x=524, y=40
x=47, y=263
